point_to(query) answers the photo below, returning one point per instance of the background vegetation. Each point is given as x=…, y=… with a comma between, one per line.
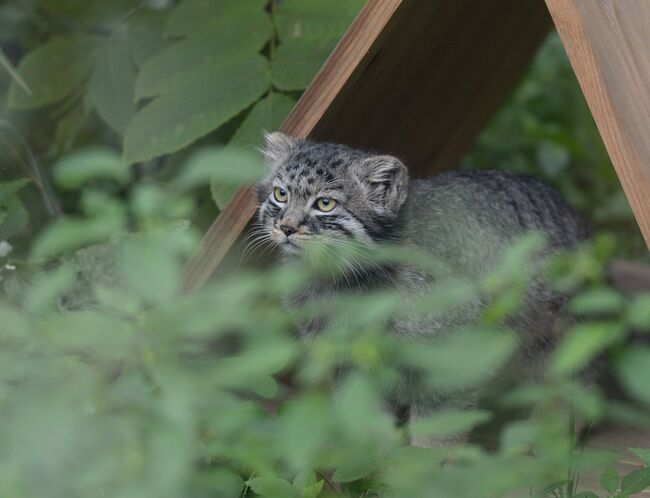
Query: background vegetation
x=113, y=124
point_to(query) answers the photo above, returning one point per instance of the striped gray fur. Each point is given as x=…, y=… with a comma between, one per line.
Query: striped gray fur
x=465, y=219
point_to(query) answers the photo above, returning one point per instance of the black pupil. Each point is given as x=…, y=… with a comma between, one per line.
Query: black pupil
x=325, y=201
x=282, y=192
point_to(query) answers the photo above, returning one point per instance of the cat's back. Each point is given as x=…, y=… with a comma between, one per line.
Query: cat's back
x=468, y=218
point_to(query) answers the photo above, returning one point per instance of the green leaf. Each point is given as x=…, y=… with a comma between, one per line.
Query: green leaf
x=145, y=30
x=54, y=70
x=12, y=187
x=297, y=62
x=224, y=183
x=635, y=482
x=273, y=487
x=610, y=480
x=638, y=312
x=46, y=288
x=112, y=85
x=75, y=170
x=267, y=115
x=642, y=453
x=209, y=99
x=265, y=386
x=198, y=17
x=16, y=219
x=633, y=368
x=449, y=423
x=150, y=270
x=597, y=301
x=188, y=60
x=314, y=19
x=462, y=360
x=227, y=166
x=354, y=469
x=582, y=344
x=304, y=479
x=313, y=490
x=89, y=13
x=586, y=494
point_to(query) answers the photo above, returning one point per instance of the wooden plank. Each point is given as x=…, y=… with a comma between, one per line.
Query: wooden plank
x=617, y=440
x=608, y=43
x=415, y=79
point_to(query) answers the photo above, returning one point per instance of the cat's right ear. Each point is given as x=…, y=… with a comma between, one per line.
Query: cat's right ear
x=277, y=149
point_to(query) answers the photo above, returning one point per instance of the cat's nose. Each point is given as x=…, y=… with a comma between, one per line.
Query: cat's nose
x=288, y=230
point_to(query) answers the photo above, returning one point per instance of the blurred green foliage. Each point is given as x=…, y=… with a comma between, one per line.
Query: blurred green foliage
x=114, y=384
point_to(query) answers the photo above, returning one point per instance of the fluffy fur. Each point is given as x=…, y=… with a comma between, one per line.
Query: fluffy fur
x=466, y=219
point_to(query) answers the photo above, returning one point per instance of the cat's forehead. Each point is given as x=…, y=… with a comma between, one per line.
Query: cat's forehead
x=312, y=166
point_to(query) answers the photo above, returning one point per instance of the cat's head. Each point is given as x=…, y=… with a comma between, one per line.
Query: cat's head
x=328, y=192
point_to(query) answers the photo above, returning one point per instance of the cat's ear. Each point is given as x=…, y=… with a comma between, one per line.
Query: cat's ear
x=385, y=179
x=277, y=149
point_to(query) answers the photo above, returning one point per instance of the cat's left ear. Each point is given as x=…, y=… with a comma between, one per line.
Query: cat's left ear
x=386, y=181
x=277, y=149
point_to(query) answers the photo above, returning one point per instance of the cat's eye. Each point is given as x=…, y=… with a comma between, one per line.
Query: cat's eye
x=325, y=204
x=280, y=194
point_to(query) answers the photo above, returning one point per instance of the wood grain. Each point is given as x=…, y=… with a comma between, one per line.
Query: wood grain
x=608, y=43
x=616, y=440
x=415, y=79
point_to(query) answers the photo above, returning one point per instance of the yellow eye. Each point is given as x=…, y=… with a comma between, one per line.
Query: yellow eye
x=280, y=194
x=325, y=204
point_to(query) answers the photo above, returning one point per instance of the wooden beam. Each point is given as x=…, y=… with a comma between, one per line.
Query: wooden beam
x=415, y=79
x=608, y=43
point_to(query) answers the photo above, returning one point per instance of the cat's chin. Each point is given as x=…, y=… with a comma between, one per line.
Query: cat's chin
x=290, y=250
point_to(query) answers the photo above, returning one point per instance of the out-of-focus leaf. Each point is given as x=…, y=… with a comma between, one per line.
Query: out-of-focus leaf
x=638, y=312
x=552, y=158
x=297, y=62
x=207, y=101
x=75, y=170
x=112, y=84
x=449, y=423
x=582, y=344
x=315, y=20
x=227, y=166
x=267, y=115
x=16, y=218
x=152, y=271
x=47, y=287
x=596, y=301
x=354, y=469
x=273, y=487
x=610, y=480
x=199, y=17
x=463, y=360
x=8, y=189
x=106, y=218
x=145, y=31
x=634, y=371
x=304, y=429
x=635, y=482
x=307, y=484
x=219, y=482
x=54, y=70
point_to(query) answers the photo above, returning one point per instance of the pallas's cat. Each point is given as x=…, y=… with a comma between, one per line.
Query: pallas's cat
x=465, y=219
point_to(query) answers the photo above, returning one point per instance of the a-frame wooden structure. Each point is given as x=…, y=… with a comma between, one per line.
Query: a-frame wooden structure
x=420, y=78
